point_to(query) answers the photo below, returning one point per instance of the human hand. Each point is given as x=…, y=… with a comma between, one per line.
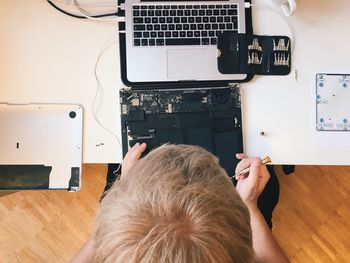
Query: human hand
x=250, y=187
x=131, y=157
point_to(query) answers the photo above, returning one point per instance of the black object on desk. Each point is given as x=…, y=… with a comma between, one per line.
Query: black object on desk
x=253, y=54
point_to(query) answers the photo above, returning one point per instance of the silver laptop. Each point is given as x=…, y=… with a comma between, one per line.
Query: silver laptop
x=41, y=146
x=176, y=40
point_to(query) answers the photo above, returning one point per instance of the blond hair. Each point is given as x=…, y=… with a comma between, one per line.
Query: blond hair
x=176, y=205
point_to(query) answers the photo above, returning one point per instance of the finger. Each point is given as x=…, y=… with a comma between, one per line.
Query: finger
x=243, y=164
x=136, y=145
x=241, y=156
x=255, y=169
x=136, y=154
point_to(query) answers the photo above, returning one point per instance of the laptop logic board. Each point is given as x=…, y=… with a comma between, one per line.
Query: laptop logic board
x=210, y=118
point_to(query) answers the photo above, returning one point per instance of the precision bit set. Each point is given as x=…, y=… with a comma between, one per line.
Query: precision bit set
x=253, y=54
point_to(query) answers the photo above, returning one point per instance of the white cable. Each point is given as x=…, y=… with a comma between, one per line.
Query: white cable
x=83, y=13
x=71, y=3
x=99, y=89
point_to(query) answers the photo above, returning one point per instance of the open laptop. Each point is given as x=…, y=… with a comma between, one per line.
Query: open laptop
x=41, y=146
x=176, y=40
x=210, y=118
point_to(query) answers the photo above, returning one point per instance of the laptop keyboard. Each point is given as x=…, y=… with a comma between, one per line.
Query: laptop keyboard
x=171, y=25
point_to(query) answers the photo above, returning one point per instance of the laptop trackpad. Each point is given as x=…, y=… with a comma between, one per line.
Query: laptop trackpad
x=190, y=64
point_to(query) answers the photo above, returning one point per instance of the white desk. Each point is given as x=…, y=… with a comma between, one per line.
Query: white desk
x=47, y=57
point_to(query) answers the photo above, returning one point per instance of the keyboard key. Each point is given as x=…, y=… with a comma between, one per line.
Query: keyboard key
x=145, y=34
x=216, y=12
x=135, y=7
x=218, y=6
x=187, y=12
x=172, y=13
x=158, y=13
x=189, y=7
x=180, y=12
x=223, y=12
x=205, y=41
x=214, y=26
x=169, y=20
x=167, y=7
x=196, y=6
x=153, y=34
x=182, y=33
x=213, y=19
x=186, y=27
x=162, y=20
x=229, y=26
x=198, y=19
x=176, y=20
x=204, y=33
x=150, y=13
x=154, y=20
x=189, y=34
x=160, y=34
x=139, y=27
x=156, y=27
x=197, y=33
x=136, y=13
x=164, y=27
x=144, y=42
x=147, y=20
x=160, y=42
x=138, y=20
x=173, y=7
x=181, y=7
x=222, y=26
x=159, y=7
x=137, y=42
x=149, y=27
x=209, y=12
x=219, y=19
x=211, y=33
x=151, y=42
x=226, y=6
x=227, y=19
x=143, y=13
x=182, y=41
x=213, y=41
x=178, y=27
x=183, y=20
x=233, y=6
x=171, y=27
x=232, y=12
x=195, y=12
x=167, y=34
x=207, y=26
x=201, y=12
x=191, y=19
x=143, y=7
x=194, y=26
x=151, y=7
x=175, y=34
x=165, y=12
x=205, y=19
x=204, y=6
x=137, y=34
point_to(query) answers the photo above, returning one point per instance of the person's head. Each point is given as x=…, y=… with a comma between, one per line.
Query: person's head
x=175, y=205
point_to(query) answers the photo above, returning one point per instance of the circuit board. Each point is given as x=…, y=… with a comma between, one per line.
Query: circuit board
x=210, y=118
x=179, y=101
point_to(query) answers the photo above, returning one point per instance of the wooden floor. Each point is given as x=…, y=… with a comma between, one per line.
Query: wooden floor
x=312, y=221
